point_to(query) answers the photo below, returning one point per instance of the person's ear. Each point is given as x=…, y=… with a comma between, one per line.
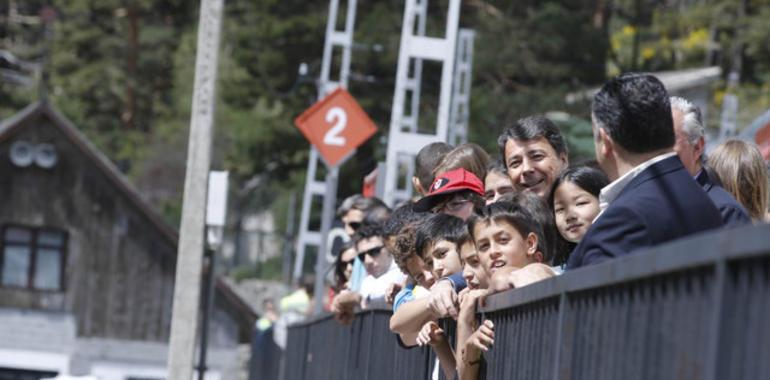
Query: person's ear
x=417, y=185
x=532, y=251
x=699, y=147
x=564, y=159
x=606, y=145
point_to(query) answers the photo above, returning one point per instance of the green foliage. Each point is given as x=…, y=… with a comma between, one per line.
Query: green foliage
x=123, y=71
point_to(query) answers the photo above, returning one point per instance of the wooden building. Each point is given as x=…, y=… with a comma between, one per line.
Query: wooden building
x=86, y=266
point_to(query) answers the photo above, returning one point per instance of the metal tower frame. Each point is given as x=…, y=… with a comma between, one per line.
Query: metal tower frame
x=461, y=87
x=327, y=189
x=404, y=141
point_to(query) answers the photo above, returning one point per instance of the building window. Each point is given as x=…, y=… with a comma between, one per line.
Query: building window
x=32, y=258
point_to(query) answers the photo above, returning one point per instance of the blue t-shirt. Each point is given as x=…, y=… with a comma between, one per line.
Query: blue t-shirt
x=405, y=295
x=357, y=276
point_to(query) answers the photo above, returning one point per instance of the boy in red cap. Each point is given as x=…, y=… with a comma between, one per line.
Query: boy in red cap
x=457, y=192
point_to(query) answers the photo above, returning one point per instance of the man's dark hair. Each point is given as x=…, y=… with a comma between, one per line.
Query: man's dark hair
x=427, y=159
x=635, y=110
x=367, y=231
x=438, y=227
x=530, y=128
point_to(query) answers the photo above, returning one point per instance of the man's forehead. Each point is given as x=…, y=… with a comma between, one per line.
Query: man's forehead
x=369, y=242
x=514, y=147
x=354, y=214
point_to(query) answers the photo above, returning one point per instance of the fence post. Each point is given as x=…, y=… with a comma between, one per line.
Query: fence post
x=712, y=360
x=564, y=339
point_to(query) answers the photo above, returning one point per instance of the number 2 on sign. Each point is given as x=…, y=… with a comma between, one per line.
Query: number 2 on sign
x=339, y=120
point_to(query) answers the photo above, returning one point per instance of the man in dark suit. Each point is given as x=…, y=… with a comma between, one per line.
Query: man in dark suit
x=652, y=199
x=689, y=132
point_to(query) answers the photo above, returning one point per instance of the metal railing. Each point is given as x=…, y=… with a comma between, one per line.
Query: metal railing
x=695, y=308
x=324, y=349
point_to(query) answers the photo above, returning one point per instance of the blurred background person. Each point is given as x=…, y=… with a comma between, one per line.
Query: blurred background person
x=689, y=145
x=743, y=173
x=425, y=162
x=496, y=183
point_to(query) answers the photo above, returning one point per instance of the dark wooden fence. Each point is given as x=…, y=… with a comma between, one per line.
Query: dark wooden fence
x=698, y=308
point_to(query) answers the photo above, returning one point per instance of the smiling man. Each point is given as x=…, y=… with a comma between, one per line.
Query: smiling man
x=534, y=153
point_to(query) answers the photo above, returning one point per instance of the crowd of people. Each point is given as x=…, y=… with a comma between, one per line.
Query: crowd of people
x=483, y=225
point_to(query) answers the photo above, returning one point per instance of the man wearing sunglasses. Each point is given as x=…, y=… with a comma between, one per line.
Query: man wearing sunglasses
x=354, y=211
x=381, y=270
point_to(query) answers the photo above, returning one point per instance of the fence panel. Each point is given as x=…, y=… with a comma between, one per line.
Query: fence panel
x=697, y=308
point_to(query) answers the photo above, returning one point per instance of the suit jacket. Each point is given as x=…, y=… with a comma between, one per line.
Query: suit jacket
x=660, y=204
x=733, y=213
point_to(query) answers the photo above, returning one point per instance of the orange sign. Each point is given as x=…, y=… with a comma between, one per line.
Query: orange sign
x=336, y=126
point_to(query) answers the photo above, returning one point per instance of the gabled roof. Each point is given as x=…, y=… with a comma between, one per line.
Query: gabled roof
x=10, y=126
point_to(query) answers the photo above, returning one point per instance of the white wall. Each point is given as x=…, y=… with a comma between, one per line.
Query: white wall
x=34, y=360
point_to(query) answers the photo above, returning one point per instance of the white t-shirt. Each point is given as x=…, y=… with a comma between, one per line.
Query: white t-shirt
x=375, y=287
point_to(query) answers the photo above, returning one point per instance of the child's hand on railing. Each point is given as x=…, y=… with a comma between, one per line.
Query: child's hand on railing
x=484, y=337
x=431, y=333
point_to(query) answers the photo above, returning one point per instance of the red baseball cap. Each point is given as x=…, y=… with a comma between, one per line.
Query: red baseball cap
x=448, y=183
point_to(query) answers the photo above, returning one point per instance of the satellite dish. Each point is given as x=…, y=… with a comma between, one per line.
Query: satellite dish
x=45, y=156
x=22, y=154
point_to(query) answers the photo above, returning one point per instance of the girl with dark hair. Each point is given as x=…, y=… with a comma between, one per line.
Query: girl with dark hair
x=575, y=201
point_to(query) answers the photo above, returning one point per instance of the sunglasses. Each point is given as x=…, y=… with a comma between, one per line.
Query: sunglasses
x=453, y=205
x=373, y=253
x=353, y=225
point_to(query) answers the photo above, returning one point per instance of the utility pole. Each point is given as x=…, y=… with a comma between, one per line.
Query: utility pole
x=184, y=317
x=288, y=239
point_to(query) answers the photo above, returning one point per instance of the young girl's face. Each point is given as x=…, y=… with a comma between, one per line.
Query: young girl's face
x=474, y=273
x=446, y=259
x=574, y=210
x=500, y=245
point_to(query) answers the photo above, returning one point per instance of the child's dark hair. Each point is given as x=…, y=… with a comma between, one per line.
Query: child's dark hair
x=514, y=214
x=496, y=166
x=403, y=240
x=587, y=178
x=438, y=227
x=400, y=217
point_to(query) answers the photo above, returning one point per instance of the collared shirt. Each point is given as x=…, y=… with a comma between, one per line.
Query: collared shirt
x=375, y=287
x=610, y=192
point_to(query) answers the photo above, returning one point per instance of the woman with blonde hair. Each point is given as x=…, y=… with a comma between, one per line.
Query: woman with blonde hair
x=743, y=172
